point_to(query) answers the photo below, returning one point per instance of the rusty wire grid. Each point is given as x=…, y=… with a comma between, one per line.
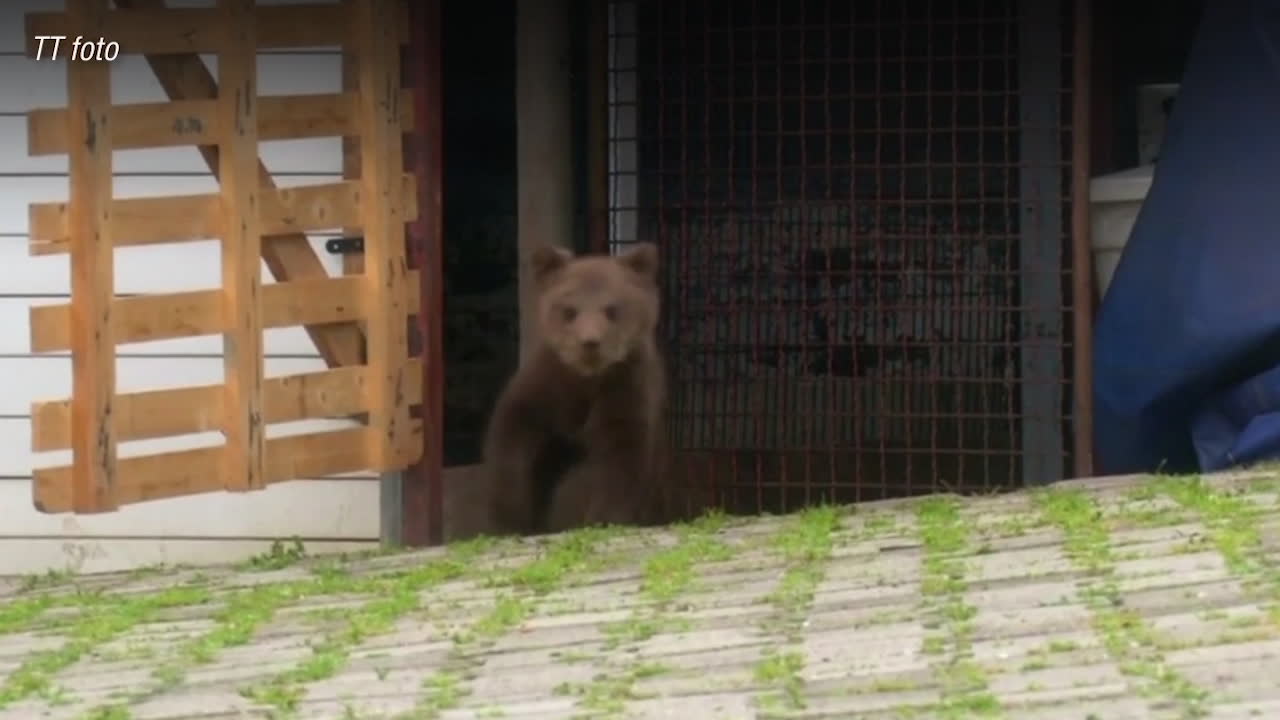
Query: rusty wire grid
x=863, y=211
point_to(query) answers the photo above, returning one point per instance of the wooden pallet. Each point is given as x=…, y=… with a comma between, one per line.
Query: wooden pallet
x=255, y=220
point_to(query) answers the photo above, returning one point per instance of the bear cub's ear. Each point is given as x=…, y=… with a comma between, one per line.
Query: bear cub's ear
x=546, y=259
x=642, y=259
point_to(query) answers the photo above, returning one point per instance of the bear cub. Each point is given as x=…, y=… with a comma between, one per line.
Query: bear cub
x=576, y=437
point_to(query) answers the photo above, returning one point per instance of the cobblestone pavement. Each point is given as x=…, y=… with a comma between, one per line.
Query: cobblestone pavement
x=1124, y=598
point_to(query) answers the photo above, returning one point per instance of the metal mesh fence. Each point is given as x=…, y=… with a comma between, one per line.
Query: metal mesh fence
x=862, y=208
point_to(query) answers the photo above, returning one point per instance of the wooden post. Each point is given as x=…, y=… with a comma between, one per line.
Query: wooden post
x=392, y=511
x=241, y=247
x=544, y=140
x=377, y=49
x=93, y=362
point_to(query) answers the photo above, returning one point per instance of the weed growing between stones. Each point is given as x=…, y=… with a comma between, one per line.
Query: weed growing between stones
x=607, y=694
x=281, y=555
x=18, y=615
x=393, y=596
x=242, y=613
x=100, y=621
x=945, y=536
x=668, y=574
x=1233, y=529
x=1124, y=634
x=1232, y=522
x=442, y=690
x=48, y=579
x=804, y=544
x=522, y=589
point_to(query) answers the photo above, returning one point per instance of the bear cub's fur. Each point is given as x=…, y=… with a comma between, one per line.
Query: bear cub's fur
x=577, y=435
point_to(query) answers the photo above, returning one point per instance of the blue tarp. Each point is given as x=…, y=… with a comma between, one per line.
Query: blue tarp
x=1187, y=342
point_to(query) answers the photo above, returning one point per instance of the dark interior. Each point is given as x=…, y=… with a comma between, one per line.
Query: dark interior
x=1135, y=43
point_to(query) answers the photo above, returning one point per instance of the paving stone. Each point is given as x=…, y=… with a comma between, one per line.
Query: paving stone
x=1117, y=707
x=1033, y=621
x=861, y=637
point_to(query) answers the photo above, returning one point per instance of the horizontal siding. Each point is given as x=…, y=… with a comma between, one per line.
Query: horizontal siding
x=308, y=156
x=18, y=192
x=272, y=512
x=49, y=377
x=341, y=512
x=27, y=556
x=33, y=84
x=187, y=266
x=13, y=41
x=16, y=339
x=18, y=459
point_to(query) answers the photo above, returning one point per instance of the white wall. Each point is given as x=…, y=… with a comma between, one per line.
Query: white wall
x=334, y=513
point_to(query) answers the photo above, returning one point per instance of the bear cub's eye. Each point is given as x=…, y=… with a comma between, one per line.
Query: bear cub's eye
x=611, y=312
x=568, y=313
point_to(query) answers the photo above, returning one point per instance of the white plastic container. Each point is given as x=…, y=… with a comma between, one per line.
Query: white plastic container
x=1114, y=202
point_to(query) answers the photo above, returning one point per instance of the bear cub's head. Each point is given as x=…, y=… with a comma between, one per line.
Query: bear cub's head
x=595, y=311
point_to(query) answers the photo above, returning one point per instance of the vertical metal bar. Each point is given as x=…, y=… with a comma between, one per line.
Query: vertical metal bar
x=413, y=501
x=881, y=201
x=597, y=69
x=623, y=163
x=1040, y=243
x=1081, y=255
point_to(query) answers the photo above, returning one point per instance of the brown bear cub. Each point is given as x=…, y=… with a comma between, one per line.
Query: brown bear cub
x=576, y=436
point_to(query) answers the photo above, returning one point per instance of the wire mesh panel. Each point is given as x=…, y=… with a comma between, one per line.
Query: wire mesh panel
x=861, y=209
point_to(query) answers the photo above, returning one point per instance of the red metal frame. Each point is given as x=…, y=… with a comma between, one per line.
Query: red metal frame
x=422, y=486
x=1081, y=250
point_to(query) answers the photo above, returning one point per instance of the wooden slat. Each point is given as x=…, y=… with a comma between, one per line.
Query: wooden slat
x=190, y=472
x=288, y=117
x=339, y=392
x=194, y=122
x=241, y=248
x=289, y=257
x=91, y=481
x=149, y=219
x=384, y=217
x=161, y=30
x=353, y=263
x=182, y=218
x=144, y=318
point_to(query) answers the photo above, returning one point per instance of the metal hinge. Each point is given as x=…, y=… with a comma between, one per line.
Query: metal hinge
x=345, y=245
